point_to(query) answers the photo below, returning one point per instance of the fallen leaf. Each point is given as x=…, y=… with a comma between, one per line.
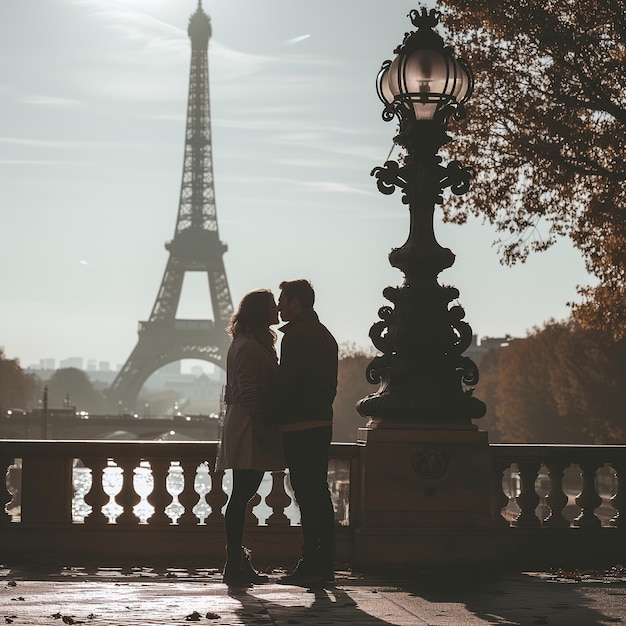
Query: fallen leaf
x=193, y=617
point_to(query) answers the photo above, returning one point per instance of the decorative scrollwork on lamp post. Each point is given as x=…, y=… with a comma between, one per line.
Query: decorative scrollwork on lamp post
x=423, y=375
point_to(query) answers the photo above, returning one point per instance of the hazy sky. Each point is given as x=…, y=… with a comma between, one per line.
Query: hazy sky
x=93, y=102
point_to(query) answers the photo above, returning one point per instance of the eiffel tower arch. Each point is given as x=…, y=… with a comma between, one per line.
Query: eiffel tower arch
x=196, y=247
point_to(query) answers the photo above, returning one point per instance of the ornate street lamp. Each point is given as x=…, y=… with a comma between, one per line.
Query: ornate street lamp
x=424, y=377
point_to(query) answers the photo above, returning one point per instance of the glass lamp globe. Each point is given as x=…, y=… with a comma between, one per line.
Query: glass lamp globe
x=424, y=80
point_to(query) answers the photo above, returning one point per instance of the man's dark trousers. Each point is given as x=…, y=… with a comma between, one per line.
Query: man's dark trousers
x=307, y=457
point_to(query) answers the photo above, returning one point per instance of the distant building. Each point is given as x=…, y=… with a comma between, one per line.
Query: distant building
x=170, y=368
x=478, y=349
x=198, y=391
x=73, y=361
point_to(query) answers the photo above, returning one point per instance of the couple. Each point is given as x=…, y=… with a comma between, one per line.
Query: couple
x=277, y=415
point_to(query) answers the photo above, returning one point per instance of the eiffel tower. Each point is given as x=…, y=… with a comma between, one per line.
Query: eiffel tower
x=196, y=247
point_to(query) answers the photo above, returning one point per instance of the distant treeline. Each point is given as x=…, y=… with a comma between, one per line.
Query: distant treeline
x=560, y=384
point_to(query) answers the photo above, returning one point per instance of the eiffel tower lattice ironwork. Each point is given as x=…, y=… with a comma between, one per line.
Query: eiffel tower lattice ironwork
x=196, y=247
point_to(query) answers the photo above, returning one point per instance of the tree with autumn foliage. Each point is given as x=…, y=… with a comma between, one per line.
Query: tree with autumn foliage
x=352, y=385
x=70, y=386
x=488, y=364
x=561, y=384
x=546, y=134
x=17, y=388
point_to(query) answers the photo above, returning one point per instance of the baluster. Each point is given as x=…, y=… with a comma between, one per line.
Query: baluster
x=96, y=498
x=5, y=466
x=556, y=499
x=128, y=497
x=498, y=498
x=353, y=491
x=528, y=499
x=278, y=500
x=216, y=498
x=47, y=491
x=189, y=496
x=588, y=500
x=160, y=498
x=618, y=500
x=202, y=487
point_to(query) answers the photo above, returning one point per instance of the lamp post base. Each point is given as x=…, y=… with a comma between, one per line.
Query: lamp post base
x=424, y=476
x=456, y=409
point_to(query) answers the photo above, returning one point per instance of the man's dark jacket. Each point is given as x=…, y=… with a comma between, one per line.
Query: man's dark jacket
x=307, y=375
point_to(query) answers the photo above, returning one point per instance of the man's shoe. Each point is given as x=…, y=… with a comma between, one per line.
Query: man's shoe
x=234, y=578
x=306, y=574
x=326, y=566
x=328, y=576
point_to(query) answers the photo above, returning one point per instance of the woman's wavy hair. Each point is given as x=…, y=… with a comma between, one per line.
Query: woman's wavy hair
x=253, y=317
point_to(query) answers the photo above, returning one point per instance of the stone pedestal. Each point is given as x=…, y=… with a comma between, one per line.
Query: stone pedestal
x=424, y=490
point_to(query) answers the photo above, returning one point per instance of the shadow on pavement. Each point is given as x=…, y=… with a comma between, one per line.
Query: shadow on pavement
x=520, y=599
x=319, y=606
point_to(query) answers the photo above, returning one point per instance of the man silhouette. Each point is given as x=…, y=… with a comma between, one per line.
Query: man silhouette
x=307, y=384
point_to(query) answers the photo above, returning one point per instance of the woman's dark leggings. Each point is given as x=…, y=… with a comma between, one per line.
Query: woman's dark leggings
x=245, y=485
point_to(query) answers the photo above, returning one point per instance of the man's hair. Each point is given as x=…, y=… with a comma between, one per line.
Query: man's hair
x=300, y=289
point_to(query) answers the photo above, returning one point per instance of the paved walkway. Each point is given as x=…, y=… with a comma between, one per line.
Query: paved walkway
x=114, y=597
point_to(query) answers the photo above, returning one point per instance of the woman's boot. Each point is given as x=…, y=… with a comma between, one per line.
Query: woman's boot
x=248, y=570
x=238, y=571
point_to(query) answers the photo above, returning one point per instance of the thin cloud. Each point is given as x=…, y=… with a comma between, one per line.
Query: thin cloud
x=332, y=187
x=236, y=64
x=40, y=162
x=168, y=117
x=313, y=186
x=51, y=101
x=248, y=121
x=136, y=25
x=288, y=127
x=286, y=131
x=45, y=143
x=325, y=139
x=295, y=40
x=157, y=34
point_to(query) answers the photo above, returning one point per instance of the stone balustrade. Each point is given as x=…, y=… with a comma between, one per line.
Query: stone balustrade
x=558, y=486
x=102, y=501
x=83, y=500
